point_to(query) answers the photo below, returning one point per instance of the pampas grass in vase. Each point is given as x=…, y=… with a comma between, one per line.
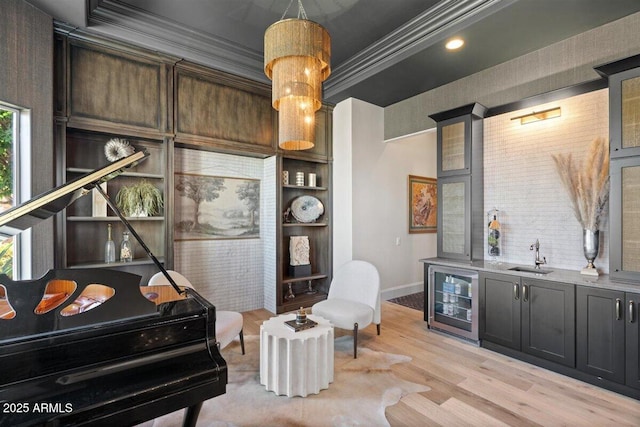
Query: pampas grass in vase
x=588, y=187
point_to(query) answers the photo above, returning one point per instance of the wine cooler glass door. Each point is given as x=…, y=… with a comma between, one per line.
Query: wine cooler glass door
x=453, y=301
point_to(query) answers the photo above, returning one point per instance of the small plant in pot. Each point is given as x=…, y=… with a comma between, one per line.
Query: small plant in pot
x=139, y=200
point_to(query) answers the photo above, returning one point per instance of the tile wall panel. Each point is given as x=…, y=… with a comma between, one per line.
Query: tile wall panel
x=229, y=273
x=268, y=233
x=521, y=181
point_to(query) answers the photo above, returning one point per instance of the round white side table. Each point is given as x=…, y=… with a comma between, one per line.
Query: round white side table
x=296, y=363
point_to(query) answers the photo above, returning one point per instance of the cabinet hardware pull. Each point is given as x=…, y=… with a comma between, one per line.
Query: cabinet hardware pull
x=525, y=297
x=618, y=306
x=516, y=294
x=631, y=311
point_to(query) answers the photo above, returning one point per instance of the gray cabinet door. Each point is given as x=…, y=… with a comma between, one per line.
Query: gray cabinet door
x=632, y=305
x=600, y=324
x=548, y=320
x=500, y=309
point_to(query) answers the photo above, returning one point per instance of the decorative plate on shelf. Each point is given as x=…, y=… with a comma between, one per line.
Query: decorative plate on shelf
x=306, y=208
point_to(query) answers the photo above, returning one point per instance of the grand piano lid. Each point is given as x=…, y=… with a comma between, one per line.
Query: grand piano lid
x=28, y=214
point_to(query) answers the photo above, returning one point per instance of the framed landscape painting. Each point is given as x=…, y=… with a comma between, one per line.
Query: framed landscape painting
x=216, y=207
x=423, y=204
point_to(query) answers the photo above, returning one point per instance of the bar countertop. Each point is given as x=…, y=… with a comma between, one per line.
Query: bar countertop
x=553, y=274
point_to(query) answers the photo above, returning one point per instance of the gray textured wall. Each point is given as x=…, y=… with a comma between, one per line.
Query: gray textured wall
x=26, y=80
x=560, y=65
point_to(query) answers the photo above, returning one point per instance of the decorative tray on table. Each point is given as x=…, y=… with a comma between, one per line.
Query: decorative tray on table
x=297, y=327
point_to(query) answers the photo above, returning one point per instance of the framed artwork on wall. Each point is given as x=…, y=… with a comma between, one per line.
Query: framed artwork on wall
x=423, y=204
x=216, y=207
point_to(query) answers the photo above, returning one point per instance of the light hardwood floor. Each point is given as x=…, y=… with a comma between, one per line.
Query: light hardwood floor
x=472, y=386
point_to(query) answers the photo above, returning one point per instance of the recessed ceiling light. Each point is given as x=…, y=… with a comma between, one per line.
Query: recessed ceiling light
x=454, y=44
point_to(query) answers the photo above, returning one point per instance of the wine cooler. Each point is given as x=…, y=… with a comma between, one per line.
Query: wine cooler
x=453, y=301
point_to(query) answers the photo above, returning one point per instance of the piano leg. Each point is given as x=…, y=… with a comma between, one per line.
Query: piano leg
x=191, y=415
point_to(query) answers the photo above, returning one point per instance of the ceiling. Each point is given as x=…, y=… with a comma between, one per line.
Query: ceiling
x=383, y=51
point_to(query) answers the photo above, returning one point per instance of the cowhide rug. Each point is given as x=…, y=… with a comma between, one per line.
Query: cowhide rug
x=361, y=390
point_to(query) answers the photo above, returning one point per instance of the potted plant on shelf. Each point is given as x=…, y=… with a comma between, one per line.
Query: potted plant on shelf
x=139, y=200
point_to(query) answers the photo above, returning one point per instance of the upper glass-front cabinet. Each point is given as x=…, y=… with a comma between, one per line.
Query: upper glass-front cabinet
x=625, y=219
x=630, y=123
x=624, y=105
x=454, y=151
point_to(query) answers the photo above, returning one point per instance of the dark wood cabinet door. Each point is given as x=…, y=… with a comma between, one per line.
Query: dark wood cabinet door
x=631, y=307
x=500, y=309
x=600, y=324
x=548, y=320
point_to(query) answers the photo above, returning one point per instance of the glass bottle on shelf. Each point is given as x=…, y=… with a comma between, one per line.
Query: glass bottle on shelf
x=109, y=248
x=494, y=235
x=126, y=251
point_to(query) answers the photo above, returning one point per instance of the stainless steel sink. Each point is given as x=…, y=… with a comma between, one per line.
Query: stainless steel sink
x=530, y=270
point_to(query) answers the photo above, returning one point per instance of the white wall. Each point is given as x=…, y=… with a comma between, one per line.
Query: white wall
x=376, y=175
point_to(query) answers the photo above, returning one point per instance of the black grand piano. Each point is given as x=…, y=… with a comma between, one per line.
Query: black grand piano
x=92, y=346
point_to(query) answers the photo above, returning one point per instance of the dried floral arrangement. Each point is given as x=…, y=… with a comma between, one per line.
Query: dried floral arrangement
x=587, y=184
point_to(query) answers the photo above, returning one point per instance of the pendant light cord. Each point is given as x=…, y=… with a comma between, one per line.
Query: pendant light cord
x=301, y=11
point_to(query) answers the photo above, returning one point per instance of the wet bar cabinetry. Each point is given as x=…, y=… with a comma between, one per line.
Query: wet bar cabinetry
x=585, y=328
x=609, y=334
x=534, y=316
x=460, y=181
x=624, y=204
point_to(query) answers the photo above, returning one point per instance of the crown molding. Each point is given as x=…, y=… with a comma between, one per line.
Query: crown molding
x=126, y=23
x=132, y=25
x=423, y=31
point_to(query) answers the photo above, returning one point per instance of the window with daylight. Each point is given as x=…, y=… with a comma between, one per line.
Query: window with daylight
x=10, y=173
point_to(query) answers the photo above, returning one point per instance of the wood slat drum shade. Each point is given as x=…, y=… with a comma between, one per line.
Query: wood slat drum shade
x=297, y=59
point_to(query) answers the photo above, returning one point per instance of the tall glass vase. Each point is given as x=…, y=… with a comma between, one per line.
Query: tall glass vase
x=590, y=245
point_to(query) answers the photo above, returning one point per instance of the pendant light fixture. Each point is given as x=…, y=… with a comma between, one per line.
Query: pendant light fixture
x=297, y=59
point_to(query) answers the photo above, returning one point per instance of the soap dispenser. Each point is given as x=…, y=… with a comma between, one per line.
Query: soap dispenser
x=494, y=235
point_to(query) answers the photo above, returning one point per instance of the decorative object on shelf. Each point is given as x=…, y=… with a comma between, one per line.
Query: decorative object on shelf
x=286, y=215
x=109, y=247
x=299, y=264
x=285, y=177
x=311, y=179
x=310, y=290
x=423, y=204
x=306, y=209
x=98, y=202
x=494, y=235
x=290, y=295
x=297, y=58
x=118, y=148
x=139, y=200
x=300, y=179
x=216, y=207
x=126, y=250
x=588, y=188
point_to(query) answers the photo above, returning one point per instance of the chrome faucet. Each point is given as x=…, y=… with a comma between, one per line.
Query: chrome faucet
x=538, y=261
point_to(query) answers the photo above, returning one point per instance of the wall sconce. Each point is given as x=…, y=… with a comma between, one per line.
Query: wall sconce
x=538, y=115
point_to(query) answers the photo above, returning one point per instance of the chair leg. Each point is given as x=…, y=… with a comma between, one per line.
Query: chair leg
x=355, y=340
x=242, y=340
x=378, y=327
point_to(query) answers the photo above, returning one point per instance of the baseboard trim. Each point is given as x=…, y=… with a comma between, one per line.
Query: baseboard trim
x=402, y=290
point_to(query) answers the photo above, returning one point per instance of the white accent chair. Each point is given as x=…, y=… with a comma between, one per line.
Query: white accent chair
x=354, y=299
x=229, y=324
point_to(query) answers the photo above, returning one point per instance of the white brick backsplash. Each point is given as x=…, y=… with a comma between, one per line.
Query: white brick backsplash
x=521, y=181
x=232, y=274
